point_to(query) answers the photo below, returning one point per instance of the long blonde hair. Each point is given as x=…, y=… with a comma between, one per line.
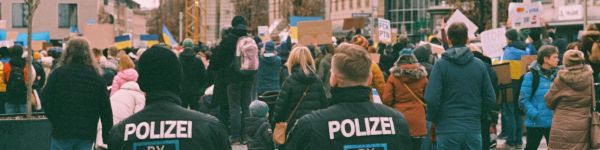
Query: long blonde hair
x=125, y=62
x=301, y=56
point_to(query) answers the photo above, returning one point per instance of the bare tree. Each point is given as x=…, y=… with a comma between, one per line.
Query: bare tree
x=253, y=11
x=31, y=7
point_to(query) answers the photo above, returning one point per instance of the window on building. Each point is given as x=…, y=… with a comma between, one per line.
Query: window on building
x=343, y=3
x=67, y=15
x=19, y=15
x=359, y=3
x=351, y=3
x=596, y=2
x=367, y=3
x=543, y=1
x=336, y=2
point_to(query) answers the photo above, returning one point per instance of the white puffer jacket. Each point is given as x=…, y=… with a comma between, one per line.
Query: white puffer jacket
x=125, y=102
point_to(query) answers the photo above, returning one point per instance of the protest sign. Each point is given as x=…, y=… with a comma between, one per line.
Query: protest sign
x=354, y=23
x=385, y=35
x=294, y=20
x=525, y=15
x=263, y=33
x=100, y=35
x=315, y=31
x=571, y=12
x=460, y=17
x=493, y=41
x=37, y=45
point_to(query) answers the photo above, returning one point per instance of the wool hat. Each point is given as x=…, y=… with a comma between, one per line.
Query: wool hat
x=573, y=58
x=512, y=35
x=188, y=43
x=270, y=46
x=423, y=52
x=407, y=59
x=361, y=41
x=238, y=20
x=159, y=70
x=37, y=56
x=259, y=108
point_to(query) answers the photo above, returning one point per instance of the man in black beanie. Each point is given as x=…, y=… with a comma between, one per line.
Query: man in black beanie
x=231, y=89
x=163, y=123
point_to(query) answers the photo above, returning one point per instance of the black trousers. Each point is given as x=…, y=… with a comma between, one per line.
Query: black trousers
x=534, y=137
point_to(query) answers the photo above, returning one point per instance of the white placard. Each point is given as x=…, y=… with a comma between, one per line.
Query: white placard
x=385, y=33
x=263, y=30
x=571, y=12
x=525, y=15
x=493, y=41
x=460, y=17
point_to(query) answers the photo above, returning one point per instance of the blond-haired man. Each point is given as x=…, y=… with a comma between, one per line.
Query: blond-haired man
x=352, y=121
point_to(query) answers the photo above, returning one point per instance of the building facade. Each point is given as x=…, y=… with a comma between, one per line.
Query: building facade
x=566, y=16
x=342, y=9
x=409, y=17
x=54, y=16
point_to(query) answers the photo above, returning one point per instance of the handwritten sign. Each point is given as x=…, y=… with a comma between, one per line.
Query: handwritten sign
x=525, y=15
x=315, y=31
x=493, y=41
x=385, y=34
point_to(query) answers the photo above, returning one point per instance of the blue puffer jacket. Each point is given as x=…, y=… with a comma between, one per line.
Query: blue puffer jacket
x=513, y=53
x=267, y=78
x=537, y=113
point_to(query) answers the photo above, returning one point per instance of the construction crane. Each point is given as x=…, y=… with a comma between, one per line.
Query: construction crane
x=195, y=20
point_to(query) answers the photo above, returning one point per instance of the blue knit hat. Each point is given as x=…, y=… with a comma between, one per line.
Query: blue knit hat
x=270, y=46
x=259, y=108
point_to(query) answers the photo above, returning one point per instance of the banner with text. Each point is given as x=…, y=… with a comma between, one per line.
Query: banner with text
x=525, y=15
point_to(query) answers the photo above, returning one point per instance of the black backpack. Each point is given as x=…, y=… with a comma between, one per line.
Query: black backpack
x=534, y=86
x=16, y=90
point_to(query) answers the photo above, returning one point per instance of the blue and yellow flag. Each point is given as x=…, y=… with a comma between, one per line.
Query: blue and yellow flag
x=168, y=37
x=123, y=41
x=150, y=39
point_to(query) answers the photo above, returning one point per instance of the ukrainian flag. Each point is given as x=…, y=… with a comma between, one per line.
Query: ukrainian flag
x=122, y=42
x=150, y=39
x=168, y=37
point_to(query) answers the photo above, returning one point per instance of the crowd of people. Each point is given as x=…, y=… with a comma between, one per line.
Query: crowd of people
x=194, y=97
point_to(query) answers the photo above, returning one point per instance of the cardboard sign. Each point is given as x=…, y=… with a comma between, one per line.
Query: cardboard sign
x=525, y=15
x=100, y=35
x=503, y=73
x=385, y=33
x=460, y=17
x=354, y=23
x=315, y=31
x=375, y=57
x=37, y=45
x=493, y=41
x=526, y=61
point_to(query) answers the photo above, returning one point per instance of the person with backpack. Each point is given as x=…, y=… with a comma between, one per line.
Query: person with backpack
x=194, y=77
x=15, y=75
x=258, y=130
x=233, y=83
x=590, y=46
x=302, y=90
x=536, y=83
x=75, y=98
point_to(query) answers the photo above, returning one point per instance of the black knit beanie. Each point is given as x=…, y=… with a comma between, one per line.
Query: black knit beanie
x=159, y=70
x=238, y=20
x=512, y=35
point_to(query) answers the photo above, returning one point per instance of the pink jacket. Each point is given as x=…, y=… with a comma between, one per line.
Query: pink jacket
x=121, y=78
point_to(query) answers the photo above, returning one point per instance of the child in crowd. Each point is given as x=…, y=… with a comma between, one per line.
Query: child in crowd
x=258, y=131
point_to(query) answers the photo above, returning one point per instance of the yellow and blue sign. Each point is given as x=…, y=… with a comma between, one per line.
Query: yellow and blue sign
x=150, y=39
x=123, y=41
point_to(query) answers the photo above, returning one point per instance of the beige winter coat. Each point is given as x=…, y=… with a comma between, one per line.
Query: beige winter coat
x=571, y=98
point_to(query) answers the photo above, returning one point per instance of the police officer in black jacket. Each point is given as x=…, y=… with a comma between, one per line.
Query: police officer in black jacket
x=352, y=121
x=163, y=123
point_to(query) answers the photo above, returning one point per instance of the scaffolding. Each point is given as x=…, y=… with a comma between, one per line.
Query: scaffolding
x=195, y=25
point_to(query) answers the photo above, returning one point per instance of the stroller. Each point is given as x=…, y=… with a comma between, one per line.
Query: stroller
x=269, y=97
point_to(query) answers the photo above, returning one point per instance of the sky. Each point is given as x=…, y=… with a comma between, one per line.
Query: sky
x=148, y=3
